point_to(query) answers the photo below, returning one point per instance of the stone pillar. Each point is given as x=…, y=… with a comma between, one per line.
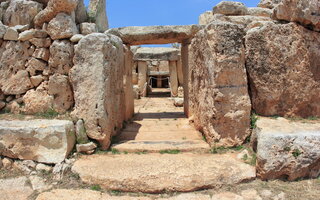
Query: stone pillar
x=173, y=78
x=142, y=71
x=128, y=86
x=180, y=71
x=185, y=70
x=134, y=73
x=159, y=82
x=97, y=14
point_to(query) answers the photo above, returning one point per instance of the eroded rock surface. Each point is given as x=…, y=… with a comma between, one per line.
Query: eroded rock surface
x=287, y=149
x=283, y=68
x=230, y=8
x=97, y=12
x=47, y=141
x=218, y=92
x=161, y=53
x=98, y=68
x=61, y=57
x=269, y=3
x=62, y=27
x=15, y=188
x=306, y=13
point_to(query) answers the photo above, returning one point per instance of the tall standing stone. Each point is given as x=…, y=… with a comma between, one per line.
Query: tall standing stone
x=97, y=14
x=218, y=87
x=173, y=78
x=142, y=70
x=128, y=86
x=97, y=60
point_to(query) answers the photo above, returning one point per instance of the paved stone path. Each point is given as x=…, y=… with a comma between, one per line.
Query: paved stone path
x=157, y=126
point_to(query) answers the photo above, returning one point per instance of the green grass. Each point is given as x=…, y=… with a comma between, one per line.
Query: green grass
x=253, y=121
x=115, y=192
x=96, y=187
x=115, y=151
x=49, y=114
x=141, y=153
x=221, y=150
x=175, y=151
x=296, y=153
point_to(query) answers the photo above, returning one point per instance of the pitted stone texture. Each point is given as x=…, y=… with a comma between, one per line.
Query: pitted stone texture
x=205, y=18
x=218, y=92
x=3, y=30
x=230, y=8
x=17, y=84
x=81, y=12
x=283, y=68
x=88, y=28
x=35, y=66
x=62, y=27
x=137, y=35
x=269, y=3
x=47, y=141
x=15, y=188
x=61, y=56
x=21, y=12
x=13, y=57
x=53, y=8
x=99, y=66
x=97, y=12
x=60, y=87
x=261, y=12
x=287, y=149
x=306, y=13
x=38, y=101
x=11, y=34
x=157, y=53
x=153, y=173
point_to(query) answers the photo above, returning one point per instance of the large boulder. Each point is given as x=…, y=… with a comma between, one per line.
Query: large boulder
x=62, y=27
x=137, y=35
x=218, y=92
x=306, y=13
x=60, y=87
x=230, y=8
x=81, y=12
x=269, y=3
x=21, y=12
x=19, y=83
x=61, y=56
x=99, y=69
x=46, y=141
x=53, y=8
x=283, y=69
x=97, y=14
x=156, y=53
x=287, y=149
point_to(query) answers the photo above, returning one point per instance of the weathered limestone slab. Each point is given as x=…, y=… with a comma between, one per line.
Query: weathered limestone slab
x=97, y=63
x=97, y=13
x=205, y=18
x=218, y=91
x=15, y=188
x=137, y=35
x=156, y=53
x=17, y=84
x=21, y=12
x=128, y=86
x=230, y=8
x=269, y=3
x=81, y=12
x=241, y=20
x=282, y=63
x=261, y=12
x=62, y=27
x=142, y=74
x=287, y=149
x=61, y=56
x=47, y=141
x=183, y=172
x=53, y=8
x=173, y=78
x=306, y=13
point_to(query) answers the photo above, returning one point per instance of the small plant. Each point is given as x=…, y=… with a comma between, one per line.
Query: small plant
x=115, y=151
x=287, y=149
x=184, y=138
x=296, y=153
x=237, y=148
x=141, y=153
x=115, y=192
x=176, y=151
x=245, y=157
x=125, y=152
x=49, y=114
x=253, y=121
x=312, y=118
x=275, y=117
x=204, y=138
x=253, y=160
x=95, y=188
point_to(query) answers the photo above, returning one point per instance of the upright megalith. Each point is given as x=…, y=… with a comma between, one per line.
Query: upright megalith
x=96, y=79
x=218, y=87
x=97, y=14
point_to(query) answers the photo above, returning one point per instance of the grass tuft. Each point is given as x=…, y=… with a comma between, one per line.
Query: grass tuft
x=175, y=151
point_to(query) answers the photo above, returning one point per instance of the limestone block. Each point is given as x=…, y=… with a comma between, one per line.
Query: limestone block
x=128, y=86
x=283, y=69
x=269, y=3
x=218, y=87
x=11, y=34
x=287, y=149
x=97, y=63
x=41, y=42
x=142, y=70
x=36, y=80
x=261, y=12
x=76, y=38
x=41, y=53
x=46, y=141
x=62, y=27
x=17, y=84
x=35, y=66
x=21, y=12
x=87, y=28
x=27, y=35
x=53, y=8
x=230, y=8
x=173, y=78
x=159, y=53
x=205, y=18
x=81, y=12
x=15, y=188
x=61, y=57
x=3, y=30
x=97, y=14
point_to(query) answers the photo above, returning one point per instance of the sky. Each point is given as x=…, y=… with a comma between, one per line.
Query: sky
x=159, y=12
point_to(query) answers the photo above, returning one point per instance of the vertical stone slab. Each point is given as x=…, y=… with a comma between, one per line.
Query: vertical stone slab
x=180, y=71
x=96, y=79
x=173, y=78
x=98, y=14
x=128, y=86
x=159, y=82
x=142, y=70
x=218, y=92
x=185, y=68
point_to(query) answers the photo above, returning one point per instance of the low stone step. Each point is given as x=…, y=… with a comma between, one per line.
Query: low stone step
x=133, y=146
x=160, y=135
x=156, y=173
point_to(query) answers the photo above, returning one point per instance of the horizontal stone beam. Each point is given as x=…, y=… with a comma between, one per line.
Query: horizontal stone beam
x=138, y=35
x=147, y=53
